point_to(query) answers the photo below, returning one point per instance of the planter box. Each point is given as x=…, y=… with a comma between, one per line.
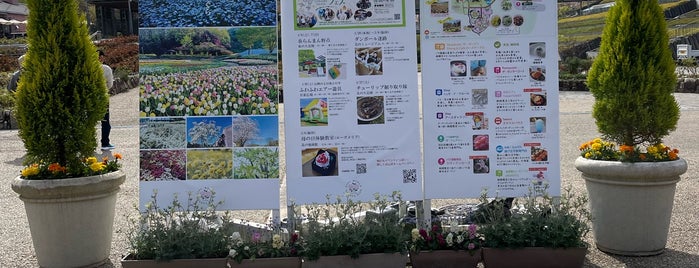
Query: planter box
x=383, y=260
x=289, y=262
x=534, y=257
x=445, y=259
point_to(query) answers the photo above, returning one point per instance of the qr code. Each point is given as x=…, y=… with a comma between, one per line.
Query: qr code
x=361, y=168
x=396, y=16
x=410, y=175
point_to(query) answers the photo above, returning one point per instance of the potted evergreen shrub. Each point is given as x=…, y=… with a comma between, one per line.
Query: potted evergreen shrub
x=69, y=195
x=629, y=173
x=536, y=231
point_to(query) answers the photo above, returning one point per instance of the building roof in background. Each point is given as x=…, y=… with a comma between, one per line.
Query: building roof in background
x=19, y=9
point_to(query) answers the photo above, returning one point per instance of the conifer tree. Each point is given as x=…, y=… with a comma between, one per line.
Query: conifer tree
x=633, y=77
x=62, y=93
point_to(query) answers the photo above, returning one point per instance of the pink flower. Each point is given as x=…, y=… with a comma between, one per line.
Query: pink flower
x=471, y=246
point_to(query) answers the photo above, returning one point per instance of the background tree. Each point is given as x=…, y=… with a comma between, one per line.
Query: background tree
x=62, y=94
x=633, y=77
x=204, y=134
x=244, y=129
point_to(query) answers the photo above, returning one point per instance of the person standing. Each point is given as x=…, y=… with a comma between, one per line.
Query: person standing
x=106, y=126
x=14, y=80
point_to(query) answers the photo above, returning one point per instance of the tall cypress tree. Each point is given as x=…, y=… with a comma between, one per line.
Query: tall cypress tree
x=62, y=93
x=633, y=77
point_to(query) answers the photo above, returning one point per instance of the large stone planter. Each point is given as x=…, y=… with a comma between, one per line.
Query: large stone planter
x=71, y=220
x=631, y=203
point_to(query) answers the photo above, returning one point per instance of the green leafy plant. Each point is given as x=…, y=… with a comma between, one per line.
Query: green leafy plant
x=90, y=167
x=192, y=229
x=633, y=77
x=62, y=93
x=536, y=220
x=195, y=229
x=340, y=228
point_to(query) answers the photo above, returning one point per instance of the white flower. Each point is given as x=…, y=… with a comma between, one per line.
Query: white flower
x=235, y=236
x=450, y=239
x=232, y=253
x=460, y=239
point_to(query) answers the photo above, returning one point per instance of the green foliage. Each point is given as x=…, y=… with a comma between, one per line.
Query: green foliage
x=338, y=228
x=575, y=65
x=256, y=163
x=62, y=93
x=633, y=77
x=180, y=230
x=121, y=53
x=537, y=220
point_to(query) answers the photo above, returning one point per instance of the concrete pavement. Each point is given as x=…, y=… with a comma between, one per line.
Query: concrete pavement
x=577, y=126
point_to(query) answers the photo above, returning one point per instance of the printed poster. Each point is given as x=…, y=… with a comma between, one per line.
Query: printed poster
x=490, y=91
x=350, y=99
x=209, y=103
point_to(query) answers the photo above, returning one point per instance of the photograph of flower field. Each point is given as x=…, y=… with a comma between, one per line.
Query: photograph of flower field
x=208, y=132
x=197, y=13
x=162, y=165
x=256, y=163
x=208, y=71
x=209, y=164
x=162, y=133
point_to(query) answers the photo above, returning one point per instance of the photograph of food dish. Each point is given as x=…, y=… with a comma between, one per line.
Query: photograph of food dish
x=537, y=124
x=478, y=68
x=458, y=68
x=370, y=110
x=537, y=99
x=368, y=61
x=319, y=162
x=537, y=49
x=537, y=73
x=539, y=154
x=481, y=143
x=495, y=21
x=481, y=165
x=479, y=96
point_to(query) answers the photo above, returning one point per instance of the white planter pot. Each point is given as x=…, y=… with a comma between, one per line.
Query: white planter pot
x=71, y=220
x=631, y=203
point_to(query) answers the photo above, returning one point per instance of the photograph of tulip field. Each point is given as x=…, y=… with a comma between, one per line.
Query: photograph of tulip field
x=208, y=71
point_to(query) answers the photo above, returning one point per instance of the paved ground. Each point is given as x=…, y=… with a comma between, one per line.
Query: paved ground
x=577, y=126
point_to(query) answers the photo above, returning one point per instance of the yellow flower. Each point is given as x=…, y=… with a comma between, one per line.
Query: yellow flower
x=588, y=155
x=597, y=140
x=596, y=146
x=91, y=160
x=142, y=114
x=652, y=149
x=30, y=170
x=415, y=234
x=97, y=166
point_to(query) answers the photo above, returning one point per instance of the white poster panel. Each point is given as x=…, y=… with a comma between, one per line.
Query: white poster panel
x=350, y=99
x=490, y=96
x=209, y=101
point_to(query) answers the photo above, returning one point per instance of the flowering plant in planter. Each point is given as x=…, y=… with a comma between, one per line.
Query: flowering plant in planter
x=536, y=220
x=456, y=237
x=599, y=149
x=90, y=167
x=342, y=228
x=262, y=245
